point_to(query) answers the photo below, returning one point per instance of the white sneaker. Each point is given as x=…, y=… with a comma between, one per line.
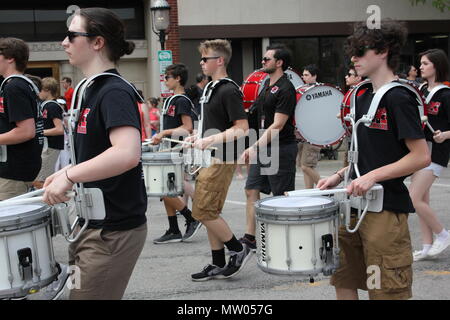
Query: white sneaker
x=439, y=246
x=419, y=255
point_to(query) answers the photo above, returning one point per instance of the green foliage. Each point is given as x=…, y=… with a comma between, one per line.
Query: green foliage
x=442, y=5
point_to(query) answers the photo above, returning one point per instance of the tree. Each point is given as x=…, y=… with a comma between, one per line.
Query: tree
x=442, y=5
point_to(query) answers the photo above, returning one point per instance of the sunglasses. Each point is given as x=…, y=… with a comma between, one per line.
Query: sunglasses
x=351, y=75
x=168, y=77
x=265, y=59
x=72, y=35
x=361, y=51
x=205, y=59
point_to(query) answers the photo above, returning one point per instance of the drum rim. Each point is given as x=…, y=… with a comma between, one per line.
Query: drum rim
x=24, y=219
x=310, y=87
x=319, y=211
x=174, y=157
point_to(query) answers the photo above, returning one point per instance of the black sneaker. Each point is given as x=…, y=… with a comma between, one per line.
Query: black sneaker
x=168, y=237
x=191, y=229
x=237, y=261
x=249, y=243
x=209, y=272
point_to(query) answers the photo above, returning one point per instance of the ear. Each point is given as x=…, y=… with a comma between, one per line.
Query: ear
x=279, y=63
x=98, y=43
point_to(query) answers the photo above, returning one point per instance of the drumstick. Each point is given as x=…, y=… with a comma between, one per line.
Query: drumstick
x=425, y=120
x=11, y=202
x=318, y=192
x=185, y=142
x=147, y=142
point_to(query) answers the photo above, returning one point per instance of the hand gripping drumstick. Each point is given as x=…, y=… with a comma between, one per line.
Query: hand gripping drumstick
x=425, y=120
x=185, y=142
x=29, y=198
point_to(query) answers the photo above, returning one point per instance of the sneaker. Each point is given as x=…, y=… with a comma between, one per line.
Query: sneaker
x=249, y=243
x=168, y=237
x=209, y=272
x=237, y=261
x=191, y=229
x=55, y=290
x=418, y=255
x=438, y=246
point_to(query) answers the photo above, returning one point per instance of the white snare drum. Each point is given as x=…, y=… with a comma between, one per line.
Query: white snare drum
x=163, y=173
x=315, y=114
x=27, y=262
x=295, y=235
x=150, y=148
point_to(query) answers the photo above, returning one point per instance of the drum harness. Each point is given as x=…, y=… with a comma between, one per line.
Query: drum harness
x=39, y=123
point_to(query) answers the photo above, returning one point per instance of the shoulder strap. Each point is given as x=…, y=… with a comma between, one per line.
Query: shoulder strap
x=48, y=101
x=31, y=83
x=433, y=92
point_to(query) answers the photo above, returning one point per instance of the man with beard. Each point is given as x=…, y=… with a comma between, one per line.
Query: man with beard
x=276, y=104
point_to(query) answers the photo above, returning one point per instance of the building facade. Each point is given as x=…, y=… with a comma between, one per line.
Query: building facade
x=314, y=30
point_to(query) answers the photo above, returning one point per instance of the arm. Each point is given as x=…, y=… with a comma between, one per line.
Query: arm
x=238, y=130
x=58, y=130
x=24, y=131
x=181, y=131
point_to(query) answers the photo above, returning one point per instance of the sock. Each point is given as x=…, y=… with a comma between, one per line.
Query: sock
x=249, y=237
x=443, y=235
x=426, y=248
x=187, y=214
x=173, y=224
x=218, y=257
x=234, y=245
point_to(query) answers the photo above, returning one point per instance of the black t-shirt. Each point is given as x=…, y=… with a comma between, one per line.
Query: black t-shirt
x=280, y=98
x=439, y=118
x=172, y=116
x=111, y=103
x=383, y=143
x=52, y=110
x=19, y=102
x=223, y=108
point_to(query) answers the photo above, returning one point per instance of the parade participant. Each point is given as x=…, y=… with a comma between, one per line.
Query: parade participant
x=390, y=149
x=68, y=94
x=308, y=155
x=20, y=122
x=224, y=120
x=145, y=119
x=277, y=101
x=434, y=68
x=108, y=156
x=52, y=114
x=154, y=115
x=177, y=122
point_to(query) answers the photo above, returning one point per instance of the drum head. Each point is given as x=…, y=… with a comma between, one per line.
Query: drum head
x=316, y=115
x=23, y=214
x=296, y=202
x=173, y=157
x=294, y=78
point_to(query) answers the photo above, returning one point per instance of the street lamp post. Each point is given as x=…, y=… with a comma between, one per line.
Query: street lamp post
x=160, y=19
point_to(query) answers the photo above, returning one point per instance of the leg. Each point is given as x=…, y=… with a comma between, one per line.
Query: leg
x=252, y=196
x=346, y=294
x=311, y=176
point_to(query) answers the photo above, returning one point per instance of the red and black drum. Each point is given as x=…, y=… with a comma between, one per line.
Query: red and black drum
x=315, y=114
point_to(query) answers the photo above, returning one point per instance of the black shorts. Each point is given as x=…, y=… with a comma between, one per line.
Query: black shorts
x=267, y=181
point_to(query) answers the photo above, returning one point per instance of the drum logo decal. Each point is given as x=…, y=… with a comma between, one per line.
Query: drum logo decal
x=433, y=108
x=2, y=108
x=274, y=90
x=262, y=233
x=380, y=120
x=319, y=95
x=82, y=124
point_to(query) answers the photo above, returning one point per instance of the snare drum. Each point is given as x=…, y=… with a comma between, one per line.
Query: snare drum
x=163, y=173
x=254, y=83
x=295, y=235
x=315, y=114
x=27, y=261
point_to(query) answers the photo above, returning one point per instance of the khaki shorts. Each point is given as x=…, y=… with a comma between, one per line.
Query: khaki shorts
x=381, y=246
x=211, y=188
x=308, y=155
x=13, y=188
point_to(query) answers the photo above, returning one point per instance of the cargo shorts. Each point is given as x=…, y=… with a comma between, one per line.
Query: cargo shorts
x=308, y=155
x=211, y=189
x=377, y=258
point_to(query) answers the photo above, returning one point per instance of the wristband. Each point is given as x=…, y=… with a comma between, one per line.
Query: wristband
x=340, y=175
x=67, y=176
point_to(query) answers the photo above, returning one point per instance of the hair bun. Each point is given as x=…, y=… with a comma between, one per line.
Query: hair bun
x=128, y=47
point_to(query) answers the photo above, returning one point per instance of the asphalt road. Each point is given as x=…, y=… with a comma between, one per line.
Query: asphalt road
x=163, y=271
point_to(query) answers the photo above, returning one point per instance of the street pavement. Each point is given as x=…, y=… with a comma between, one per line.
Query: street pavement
x=163, y=271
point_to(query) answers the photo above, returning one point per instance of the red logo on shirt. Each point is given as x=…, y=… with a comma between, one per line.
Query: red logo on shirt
x=2, y=108
x=433, y=108
x=82, y=123
x=380, y=120
x=44, y=113
x=171, y=111
x=274, y=90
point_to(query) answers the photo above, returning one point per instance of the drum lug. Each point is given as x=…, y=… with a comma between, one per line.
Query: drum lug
x=171, y=181
x=25, y=263
x=326, y=254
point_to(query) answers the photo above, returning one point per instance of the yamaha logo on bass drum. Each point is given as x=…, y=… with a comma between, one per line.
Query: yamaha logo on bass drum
x=318, y=95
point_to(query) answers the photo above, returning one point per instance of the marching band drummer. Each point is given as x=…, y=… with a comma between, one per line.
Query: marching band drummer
x=434, y=67
x=108, y=152
x=390, y=149
x=277, y=102
x=20, y=132
x=224, y=121
x=177, y=122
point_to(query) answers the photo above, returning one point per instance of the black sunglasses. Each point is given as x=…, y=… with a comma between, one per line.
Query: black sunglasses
x=361, y=51
x=351, y=74
x=205, y=59
x=72, y=35
x=168, y=77
x=265, y=59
